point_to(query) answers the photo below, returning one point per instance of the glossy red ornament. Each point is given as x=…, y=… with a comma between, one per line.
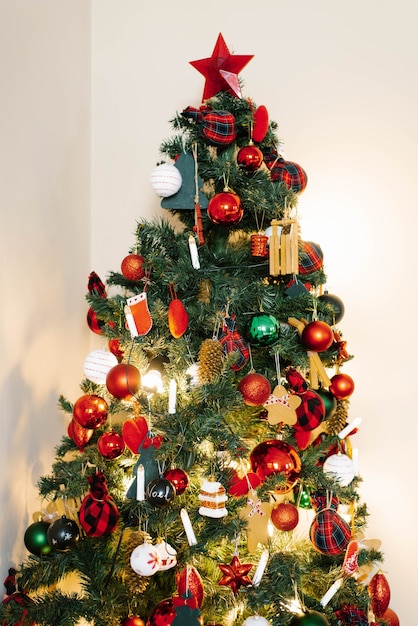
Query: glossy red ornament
x=317, y=336
x=114, y=348
x=241, y=486
x=225, y=209
x=132, y=267
x=90, y=411
x=123, y=381
x=379, y=592
x=390, y=617
x=81, y=436
x=285, y=516
x=111, y=445
x=132, y=620
x=254, y=388
x=179, y=478
x=275, y=456
x=342, y=386
x=163, y=614
x=250, y=157
x=190, y=579
x=93, y=322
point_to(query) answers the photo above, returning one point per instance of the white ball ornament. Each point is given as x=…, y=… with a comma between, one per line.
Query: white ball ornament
x=166, y=180
x=340, y=467
x=256, y=620
x=145, y=560
x=97, y=365
x=167, y=555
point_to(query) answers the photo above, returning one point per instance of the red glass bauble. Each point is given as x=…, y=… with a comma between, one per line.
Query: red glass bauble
x=255, y=389
x=275, y=456
x=190, y=580
x=132, y=267
x=132, y=620
x=285, y=516
x=225, y=209
x=390, y=617
x=179, y=478
x=163, y=614
x=250, y=157
x=342, y=386
x=379, y=592
x=90, y=411
x=81, y=436
x=93, y=322
x=111, y=445
x=123, y=381
x=114, y=347
x=317, y=336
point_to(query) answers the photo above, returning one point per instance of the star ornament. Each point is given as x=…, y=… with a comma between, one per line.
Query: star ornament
x=221, y=70
x=235, y=574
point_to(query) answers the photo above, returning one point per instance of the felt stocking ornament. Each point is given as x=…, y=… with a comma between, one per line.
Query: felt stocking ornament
x=137, y=315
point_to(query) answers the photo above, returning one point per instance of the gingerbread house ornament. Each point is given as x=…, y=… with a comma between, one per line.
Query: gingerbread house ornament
x=213, y=497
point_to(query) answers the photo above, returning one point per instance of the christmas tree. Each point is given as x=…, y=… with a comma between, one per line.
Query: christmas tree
x=208, y=474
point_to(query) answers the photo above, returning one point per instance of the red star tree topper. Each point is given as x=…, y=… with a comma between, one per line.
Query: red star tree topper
x=221, y=70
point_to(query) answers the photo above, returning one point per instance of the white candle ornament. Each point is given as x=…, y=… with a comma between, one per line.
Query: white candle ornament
x=351, y=426
x=191, y=537
x=172, y=396
x=194, y=255
x=140, y=483
x=262, y=564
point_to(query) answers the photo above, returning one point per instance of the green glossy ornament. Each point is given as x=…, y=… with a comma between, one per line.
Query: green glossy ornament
x=35, y=538
x=262, y=330
x=304, y=499
x=309, y=618
x=330, y=402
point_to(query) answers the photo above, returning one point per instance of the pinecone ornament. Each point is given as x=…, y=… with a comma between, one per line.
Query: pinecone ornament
x=133, y=581
x=336, y=422
x=210, y=360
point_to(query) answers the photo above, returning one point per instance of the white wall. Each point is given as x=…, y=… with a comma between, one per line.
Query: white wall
x=44, y=242
x=340, y=79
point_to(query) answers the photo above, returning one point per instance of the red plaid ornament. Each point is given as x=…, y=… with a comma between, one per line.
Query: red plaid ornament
x=232, y=341
x=311, y=411
x=287, y=172
x=329, y=533
x=311, y=258
x=98, y=514
x=350, y=615
x=218, y=128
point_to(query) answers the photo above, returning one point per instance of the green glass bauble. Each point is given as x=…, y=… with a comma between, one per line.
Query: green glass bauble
x=330, y=402
x=35, y=539
x=304, y=499
x=309, y=618
x=262, y=330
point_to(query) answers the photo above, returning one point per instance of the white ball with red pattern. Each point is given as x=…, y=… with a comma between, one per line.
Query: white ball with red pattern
x=145, y=560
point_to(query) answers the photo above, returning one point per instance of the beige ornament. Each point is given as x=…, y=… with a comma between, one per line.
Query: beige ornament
x=257, y=515
x=281, y=406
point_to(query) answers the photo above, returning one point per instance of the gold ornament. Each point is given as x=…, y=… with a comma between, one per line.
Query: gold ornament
x=336, y=422
x=134, y=582
x=210, y=360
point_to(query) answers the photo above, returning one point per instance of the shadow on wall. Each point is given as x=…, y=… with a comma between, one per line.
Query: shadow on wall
x=27, y=427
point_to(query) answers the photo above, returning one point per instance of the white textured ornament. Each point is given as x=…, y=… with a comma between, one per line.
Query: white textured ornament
x=340, y=467
x=256, y=620
x=145, y=560
x=166, y=180
x=167, y=554
x=97, y=365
